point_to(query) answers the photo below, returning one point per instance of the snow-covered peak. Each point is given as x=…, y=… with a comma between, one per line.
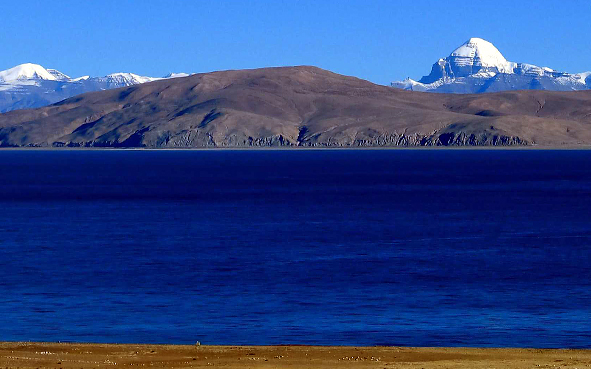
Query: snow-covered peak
x=128, y=78
x=176, y=75
x=578, y=78
x=478, y=66
x=31, y=85
x=477, y=51
x=26, y=71
x=33, y=74
x=59, y=75
x=478, y=47
x=583, y=76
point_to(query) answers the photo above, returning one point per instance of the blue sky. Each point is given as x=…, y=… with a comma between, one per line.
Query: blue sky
x=379, y=40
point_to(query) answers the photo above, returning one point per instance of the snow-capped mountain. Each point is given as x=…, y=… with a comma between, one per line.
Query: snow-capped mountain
x=176, y=75
x=32, y=86
x=478, y=66
x=25, y=72
x=127, y=79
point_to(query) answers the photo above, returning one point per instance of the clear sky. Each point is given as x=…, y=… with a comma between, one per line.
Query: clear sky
x=379, y=40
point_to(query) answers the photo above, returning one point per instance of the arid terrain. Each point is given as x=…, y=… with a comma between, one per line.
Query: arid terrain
x=298, y=106
x=57, y=355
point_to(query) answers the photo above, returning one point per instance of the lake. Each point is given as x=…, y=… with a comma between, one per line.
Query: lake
x=488, y=248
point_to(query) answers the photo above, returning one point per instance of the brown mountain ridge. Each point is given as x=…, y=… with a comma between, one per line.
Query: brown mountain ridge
x=298, y=106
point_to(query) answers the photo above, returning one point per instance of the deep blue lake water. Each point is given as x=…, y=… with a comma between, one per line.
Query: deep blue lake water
x=356, y=247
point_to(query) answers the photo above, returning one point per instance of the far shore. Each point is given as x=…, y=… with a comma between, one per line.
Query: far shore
x=304, y=148
x=78, y=355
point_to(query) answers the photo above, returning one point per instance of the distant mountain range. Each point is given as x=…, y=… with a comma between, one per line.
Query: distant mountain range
x=31, y=85
x=297, y=106
x=478, y=66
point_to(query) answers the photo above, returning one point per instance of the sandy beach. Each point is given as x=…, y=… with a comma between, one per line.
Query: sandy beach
x=64, y=355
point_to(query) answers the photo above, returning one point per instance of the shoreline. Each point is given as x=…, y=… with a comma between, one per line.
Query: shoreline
x=303, y=148
x=94, y=355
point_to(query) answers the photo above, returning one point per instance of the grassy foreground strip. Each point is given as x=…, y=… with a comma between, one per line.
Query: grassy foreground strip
x=63, y=355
